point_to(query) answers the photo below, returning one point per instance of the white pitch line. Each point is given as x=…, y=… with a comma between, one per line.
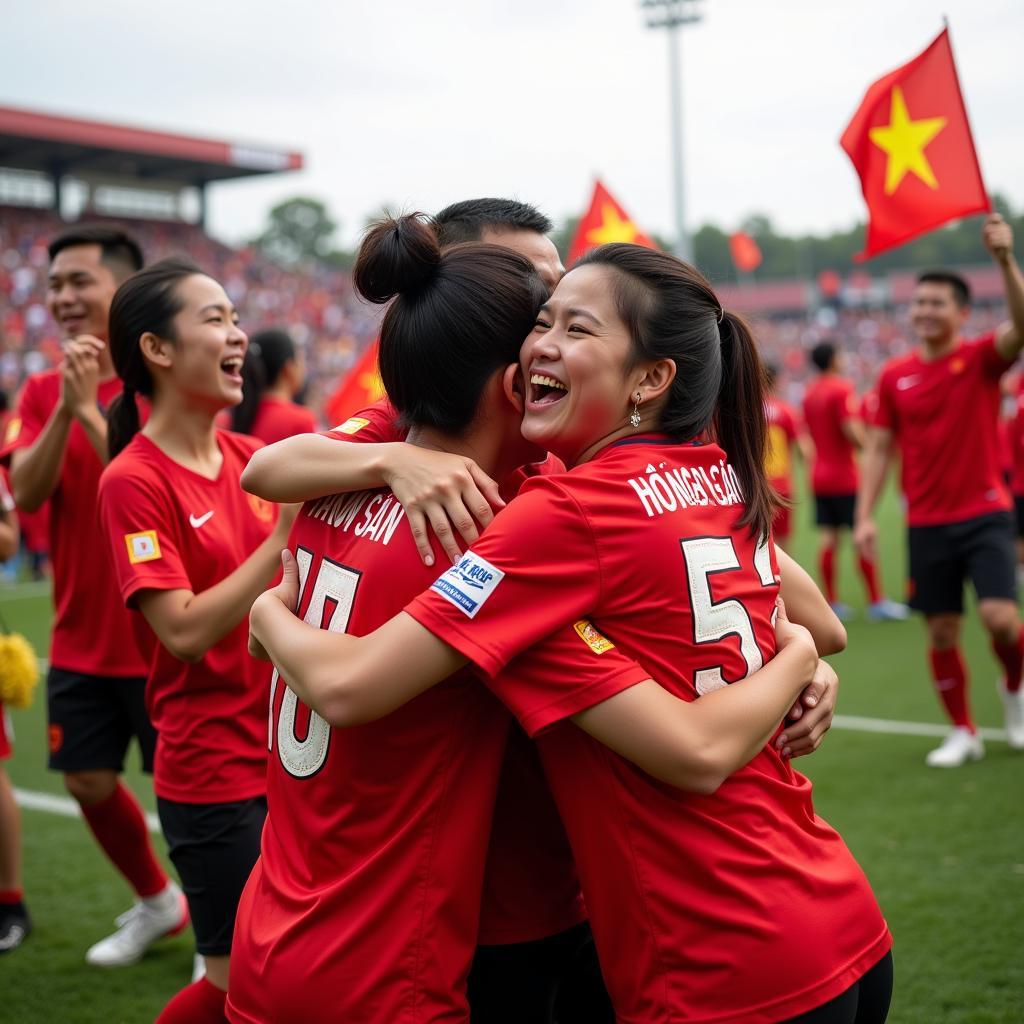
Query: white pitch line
x=65, y=806
x=895, y=728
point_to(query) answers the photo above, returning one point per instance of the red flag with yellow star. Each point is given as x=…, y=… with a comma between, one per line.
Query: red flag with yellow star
x=605, y=221
x=910, y=142
x=360, y=388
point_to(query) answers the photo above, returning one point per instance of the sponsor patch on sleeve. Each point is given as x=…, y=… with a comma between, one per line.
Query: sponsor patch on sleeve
x=142, y=547
x=352, y=425
x=589, y=634
x=469, y=583
x=13, y=429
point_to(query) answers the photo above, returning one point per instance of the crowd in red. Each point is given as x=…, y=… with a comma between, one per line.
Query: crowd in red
x=316, y=305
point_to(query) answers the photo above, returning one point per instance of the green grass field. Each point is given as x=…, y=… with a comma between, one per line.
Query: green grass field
x=943, y=849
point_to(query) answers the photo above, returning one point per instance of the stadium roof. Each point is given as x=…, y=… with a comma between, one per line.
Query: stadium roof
x=44, y=142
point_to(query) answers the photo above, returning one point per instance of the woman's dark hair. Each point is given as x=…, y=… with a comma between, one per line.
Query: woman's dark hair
x=456, y=317
x=147, y=301
x=672, y=312
x=268, y=353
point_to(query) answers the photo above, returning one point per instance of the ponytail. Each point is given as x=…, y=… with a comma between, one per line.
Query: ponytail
x=740, y=426
x=147, y=302
x=254, y=384
x=122, y=422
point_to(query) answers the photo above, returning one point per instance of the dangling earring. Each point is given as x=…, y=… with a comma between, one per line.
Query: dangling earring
x=634, y=416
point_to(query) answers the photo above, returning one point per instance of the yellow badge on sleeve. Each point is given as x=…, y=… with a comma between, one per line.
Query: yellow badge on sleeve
x=142, y=547
x=352, y=426
x=591, y=637
x=13, y=429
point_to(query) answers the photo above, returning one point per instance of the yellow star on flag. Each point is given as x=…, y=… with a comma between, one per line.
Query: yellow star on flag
x=372, y=385
x=613, y=228
x=904, y=141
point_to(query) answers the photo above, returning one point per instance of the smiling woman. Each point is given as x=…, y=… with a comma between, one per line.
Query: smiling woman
x=191, y=552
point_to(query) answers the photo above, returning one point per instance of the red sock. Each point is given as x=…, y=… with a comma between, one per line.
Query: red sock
x=951, y=685
x=869, y=571
x=1012, y=657
x=198, y=1003
x=828, y=572
x=11, y=896
x=119, y=827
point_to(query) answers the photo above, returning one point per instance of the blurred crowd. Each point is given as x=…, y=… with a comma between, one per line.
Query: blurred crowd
x=318, y=307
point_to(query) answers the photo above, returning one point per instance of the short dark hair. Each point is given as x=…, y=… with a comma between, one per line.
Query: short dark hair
x=467, y=221
x=961, y=289
x=823, y=354
x=457, y=317
x=269, y=352
x=118, y=250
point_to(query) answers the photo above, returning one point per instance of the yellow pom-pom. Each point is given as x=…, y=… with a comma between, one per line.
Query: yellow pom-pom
x=19, y=670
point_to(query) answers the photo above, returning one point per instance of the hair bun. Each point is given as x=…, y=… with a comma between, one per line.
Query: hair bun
x=398, y=255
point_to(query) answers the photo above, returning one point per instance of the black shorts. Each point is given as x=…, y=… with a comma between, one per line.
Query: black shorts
x=214, y=848
x=942, y=557
x=556, y=978
x=92, y=719
x=834, y=509
x=1018, y=504
x=866, y=1001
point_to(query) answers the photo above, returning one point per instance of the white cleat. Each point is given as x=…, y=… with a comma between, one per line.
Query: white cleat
x=888, y=611
x=139, y=928
x=1013, y=716
x=959, y=747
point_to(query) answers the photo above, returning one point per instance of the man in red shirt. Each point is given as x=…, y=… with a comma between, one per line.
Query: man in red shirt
x=57, y=446
x=785, y=433
x=940, y=404
x=831, y=415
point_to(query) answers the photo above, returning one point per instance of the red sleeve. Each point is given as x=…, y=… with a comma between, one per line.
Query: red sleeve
x=792, y=423
x=377, y=423
x=995, y=364
x=883, y=413
x=572, y=670
x=28, y=421
x=846, y=404
x=136, y=519
x=535, y=569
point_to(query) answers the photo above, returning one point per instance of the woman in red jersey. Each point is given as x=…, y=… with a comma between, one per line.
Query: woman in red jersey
x=274, y=373
x=331, y=925
x=737, y=905
x=191, y=550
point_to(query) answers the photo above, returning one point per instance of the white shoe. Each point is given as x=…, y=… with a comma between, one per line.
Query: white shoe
x=138, y=929
x=888, y=611
x=198, y=967
x=1013, y=716
x=960, y=746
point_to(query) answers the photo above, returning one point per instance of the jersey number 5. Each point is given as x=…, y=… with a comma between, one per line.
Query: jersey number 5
x=714, y=621
x=330, y=606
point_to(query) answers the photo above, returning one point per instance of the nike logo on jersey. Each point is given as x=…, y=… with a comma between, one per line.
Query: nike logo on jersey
x=904, y=383
x=198, y=521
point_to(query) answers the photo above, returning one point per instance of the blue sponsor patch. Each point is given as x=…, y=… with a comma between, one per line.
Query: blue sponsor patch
x=469, y=583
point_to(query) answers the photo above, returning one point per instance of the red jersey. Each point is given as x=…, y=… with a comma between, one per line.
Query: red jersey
x=943, y=414
x=364, y=904
x=743, y=906
x=829, y=403
x=277, y=418
x=782, y=433
x=91, y=631
x=1015, y=437
x=170, y=528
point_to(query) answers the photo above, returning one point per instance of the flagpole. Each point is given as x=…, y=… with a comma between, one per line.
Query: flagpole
x=672, y=15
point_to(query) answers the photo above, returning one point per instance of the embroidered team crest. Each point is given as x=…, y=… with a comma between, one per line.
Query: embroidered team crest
x=469, y=583
x=352, y=425
x=261, y=509
x=142, y=547
x=589, y=634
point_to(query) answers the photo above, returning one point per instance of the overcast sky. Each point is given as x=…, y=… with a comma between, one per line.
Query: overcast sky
x=417, y=104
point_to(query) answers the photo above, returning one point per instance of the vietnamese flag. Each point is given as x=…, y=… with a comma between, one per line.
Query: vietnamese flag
x=746, y=255
x=361, y=387
x=605, y=221
x=910, y=142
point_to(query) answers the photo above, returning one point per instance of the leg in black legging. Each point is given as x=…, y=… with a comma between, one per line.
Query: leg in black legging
x=866, y=1001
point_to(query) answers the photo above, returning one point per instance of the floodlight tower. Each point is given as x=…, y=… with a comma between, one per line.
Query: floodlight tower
x=672, y=15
